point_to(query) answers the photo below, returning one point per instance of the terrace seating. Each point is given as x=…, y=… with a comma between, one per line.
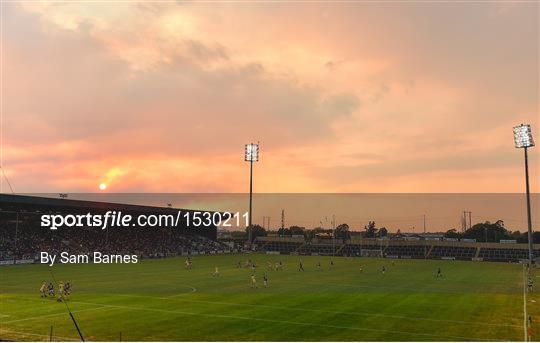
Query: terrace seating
x=281, y=247
x=504, y=255
x=406, y=251
x=459, y=253
x=320, y=249
x=351, y=250
x=356, y=249
x=145, y=242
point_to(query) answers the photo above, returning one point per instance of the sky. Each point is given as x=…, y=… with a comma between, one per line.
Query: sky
x=394, y=211
x=343, y=97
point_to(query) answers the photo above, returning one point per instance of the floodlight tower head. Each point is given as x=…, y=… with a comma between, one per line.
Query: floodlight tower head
x=523, y=139
x=523, y=136
x=251, y=152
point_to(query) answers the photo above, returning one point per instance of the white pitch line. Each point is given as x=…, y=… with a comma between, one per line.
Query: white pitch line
x=38, y=335
x=352, y=313
x=52, y=315
x=193, y=290
x=303, y=309
x=424, y=290
x=172, y=297
x=459, y=338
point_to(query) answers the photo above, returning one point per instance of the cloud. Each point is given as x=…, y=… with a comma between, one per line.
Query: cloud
x=85, y=91
x=159, y=90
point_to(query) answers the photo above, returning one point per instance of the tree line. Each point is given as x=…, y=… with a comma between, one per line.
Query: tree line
x=481, y=232
x=492, y=232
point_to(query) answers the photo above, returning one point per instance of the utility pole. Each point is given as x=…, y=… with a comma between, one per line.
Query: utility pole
x=466, y=222
x=333, y=234
x=283, y=222
x=425, y=241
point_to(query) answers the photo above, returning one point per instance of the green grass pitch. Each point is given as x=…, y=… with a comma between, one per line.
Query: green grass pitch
x=161, y=300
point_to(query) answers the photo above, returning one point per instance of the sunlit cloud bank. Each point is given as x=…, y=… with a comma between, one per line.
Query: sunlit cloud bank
x=343, y=97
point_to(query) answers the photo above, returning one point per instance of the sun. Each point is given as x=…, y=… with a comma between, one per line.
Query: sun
x=102, y=186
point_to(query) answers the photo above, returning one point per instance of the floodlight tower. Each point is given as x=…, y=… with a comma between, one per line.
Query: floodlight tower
x=523, y=139
x=251, y=154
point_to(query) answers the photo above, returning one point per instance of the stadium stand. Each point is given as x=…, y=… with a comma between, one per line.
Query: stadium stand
x=454, y=252
x=282, y=245
x=22, y=237
x=356, y=249
x=351, y=250
x=432, y=249
x=319, y=249
x=505, y=254
x=406, y=251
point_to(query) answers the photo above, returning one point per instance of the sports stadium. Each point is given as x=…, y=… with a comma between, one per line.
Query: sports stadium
x=269, y=170
x=191, y=286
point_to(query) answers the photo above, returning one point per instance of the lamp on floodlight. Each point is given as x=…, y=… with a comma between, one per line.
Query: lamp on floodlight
x=523, y=139
x=251, y=154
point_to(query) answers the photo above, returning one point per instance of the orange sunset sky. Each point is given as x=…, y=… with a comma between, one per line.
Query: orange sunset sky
x=344, y=97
